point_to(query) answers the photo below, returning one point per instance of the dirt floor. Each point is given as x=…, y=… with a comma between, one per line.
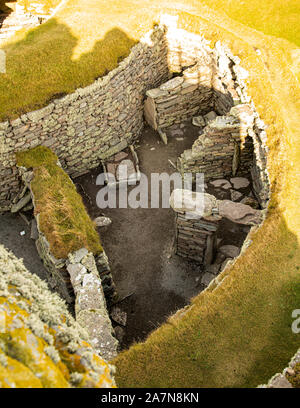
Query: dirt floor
x=139, y=244
x=11, y=225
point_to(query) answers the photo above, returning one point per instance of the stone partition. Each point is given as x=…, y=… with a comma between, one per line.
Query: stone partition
x=180, y=98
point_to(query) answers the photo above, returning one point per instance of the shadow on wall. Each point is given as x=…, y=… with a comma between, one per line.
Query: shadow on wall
x=47, y=68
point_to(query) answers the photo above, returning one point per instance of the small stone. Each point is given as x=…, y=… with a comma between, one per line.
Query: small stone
x=230, y=251
x=34, y=233
x=289, y=371
x=250, y=201
x=213, y=268
x=198, y=121
x=225, y=263
x=111, y=168
x=152, y=148
x=239, y=182
x=176, y=132
x=118, y=316
x=77, y=256
x=235, y=195
x=163, y=136
x=222, y=183
x=120, y=156
x=207, y=278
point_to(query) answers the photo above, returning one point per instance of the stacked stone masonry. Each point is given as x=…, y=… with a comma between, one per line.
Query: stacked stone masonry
x=91, y=124
x=228, y=146
x=102, y=119
x=197, y=221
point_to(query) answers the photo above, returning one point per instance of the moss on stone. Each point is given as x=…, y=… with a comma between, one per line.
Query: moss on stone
x=295, y=378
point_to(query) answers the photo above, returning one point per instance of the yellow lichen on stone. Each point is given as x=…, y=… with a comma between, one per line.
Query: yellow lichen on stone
x=41, y=345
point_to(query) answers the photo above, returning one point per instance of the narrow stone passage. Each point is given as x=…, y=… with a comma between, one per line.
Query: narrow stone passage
x=139, y=244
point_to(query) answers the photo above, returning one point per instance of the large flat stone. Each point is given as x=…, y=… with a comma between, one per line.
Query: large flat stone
x=239, y=213
x=239, y=182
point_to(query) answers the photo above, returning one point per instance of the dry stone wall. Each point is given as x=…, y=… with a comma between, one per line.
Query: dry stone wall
x=196, y=225
x=91, y=124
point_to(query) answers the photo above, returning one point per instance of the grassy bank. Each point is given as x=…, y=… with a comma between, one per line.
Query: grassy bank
x=62, y=215
x=86, y=39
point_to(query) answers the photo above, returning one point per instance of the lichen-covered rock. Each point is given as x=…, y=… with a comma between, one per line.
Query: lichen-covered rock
x=41, y=345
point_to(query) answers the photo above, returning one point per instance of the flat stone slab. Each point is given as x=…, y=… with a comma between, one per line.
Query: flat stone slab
x=125, y=170
x=239, y=182
x=34, y=233
x=222, y=183
x=77, y=272
x=230, y=251
x=195, y=205
x=77, y=256
x=120, y=156
x=21, y=204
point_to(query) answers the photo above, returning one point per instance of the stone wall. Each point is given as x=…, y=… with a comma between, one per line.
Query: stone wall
x=91, y=124
x=197, y=222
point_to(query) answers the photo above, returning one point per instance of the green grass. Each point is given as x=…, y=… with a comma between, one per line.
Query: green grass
x=62, y=215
